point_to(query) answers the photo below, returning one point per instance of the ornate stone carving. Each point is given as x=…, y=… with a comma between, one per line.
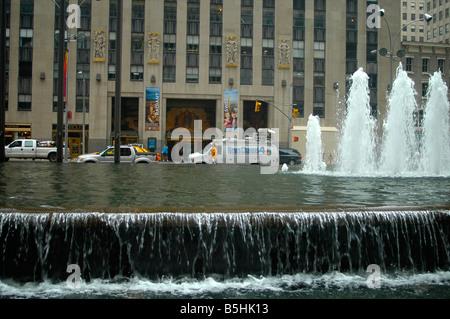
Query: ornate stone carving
x=284, y=53
x=99, y=45
x=153, y=45
x=231, y=50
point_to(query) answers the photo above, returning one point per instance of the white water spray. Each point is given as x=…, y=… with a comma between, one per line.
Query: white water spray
x=357, y=143
x=314, y=151
x=436, y=136
x=399, y=152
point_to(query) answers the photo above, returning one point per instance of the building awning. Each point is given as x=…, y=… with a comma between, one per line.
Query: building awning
x=17, y=127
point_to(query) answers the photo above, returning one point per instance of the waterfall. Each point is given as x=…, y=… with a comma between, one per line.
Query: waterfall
x=40, y=246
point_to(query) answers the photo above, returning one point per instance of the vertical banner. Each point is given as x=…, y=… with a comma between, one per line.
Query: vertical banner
x=66, y=57
x=230, y=110
x=152, y=109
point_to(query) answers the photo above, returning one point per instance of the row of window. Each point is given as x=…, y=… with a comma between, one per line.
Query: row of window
x=425, y=66
x=422, y=6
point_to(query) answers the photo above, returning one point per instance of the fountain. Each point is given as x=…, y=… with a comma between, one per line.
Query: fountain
x=356, y=149
x=399, y=153
x=436, y=137
x=314, y=152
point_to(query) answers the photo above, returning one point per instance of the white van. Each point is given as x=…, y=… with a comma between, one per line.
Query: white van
x=238, y=151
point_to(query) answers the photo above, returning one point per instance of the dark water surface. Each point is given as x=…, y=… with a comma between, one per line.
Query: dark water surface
x=205, y=187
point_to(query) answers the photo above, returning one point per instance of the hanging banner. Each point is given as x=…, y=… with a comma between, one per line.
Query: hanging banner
x=230, y=110
x=66, y=57
x=152, y=109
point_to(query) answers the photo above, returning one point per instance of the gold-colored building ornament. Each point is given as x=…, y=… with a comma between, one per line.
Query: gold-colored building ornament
x=153, y=47
x=99, y=46
x=231, y=50
x=284, y=53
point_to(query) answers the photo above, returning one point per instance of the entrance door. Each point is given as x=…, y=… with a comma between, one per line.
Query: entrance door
x=75, y=146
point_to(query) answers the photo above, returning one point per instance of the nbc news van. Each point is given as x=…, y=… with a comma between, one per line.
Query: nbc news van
x=237, y=151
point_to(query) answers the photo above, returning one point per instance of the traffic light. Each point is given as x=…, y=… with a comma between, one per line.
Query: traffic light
x=295, y=113
x=257, y=106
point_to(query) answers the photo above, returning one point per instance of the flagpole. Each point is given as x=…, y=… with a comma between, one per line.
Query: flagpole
x=59, y=141
x=66, y=100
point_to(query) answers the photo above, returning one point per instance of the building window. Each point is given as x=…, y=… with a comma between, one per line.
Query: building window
x=352, y=38
x=215, y=42
x=298, y=55
x=409, y=64
x=136, y=72
x=192, y=41
x=319, y=57
x=246, y=61
x=424, y=89
x=24, y=102
x=112, y=47
x=247, y=43
x=425, y=65
x=441, y=65
x=137, y=40
x=25, y=55
x=83, y=57
x=268, y=54
x=169, y=41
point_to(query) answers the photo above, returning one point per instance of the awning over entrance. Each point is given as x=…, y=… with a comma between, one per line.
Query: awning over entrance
x=17, y=127
x=14, y=131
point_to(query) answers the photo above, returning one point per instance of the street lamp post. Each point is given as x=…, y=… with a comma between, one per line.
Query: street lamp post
x=60, y=116
x=118, y=95
x=291, y=105
x=3, y=88
x=384, y=52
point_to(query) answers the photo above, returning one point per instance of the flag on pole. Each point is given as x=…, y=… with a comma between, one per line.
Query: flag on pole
x=65, y=75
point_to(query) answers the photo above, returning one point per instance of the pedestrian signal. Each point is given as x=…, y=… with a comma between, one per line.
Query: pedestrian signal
x=295, y=114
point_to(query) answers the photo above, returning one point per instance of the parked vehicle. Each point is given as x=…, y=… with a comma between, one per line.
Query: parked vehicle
x=236, y=151
x=128, y=154
x=290, y=156
x=30, y=148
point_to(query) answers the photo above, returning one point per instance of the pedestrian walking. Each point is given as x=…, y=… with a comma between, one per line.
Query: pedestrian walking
x=165, y=153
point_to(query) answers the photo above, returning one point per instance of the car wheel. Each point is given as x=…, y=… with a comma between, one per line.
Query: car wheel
x=291, y=162
x=52, y=157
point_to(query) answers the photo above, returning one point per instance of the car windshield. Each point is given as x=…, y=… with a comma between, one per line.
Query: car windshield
x=16, y=144
x=108, y=152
